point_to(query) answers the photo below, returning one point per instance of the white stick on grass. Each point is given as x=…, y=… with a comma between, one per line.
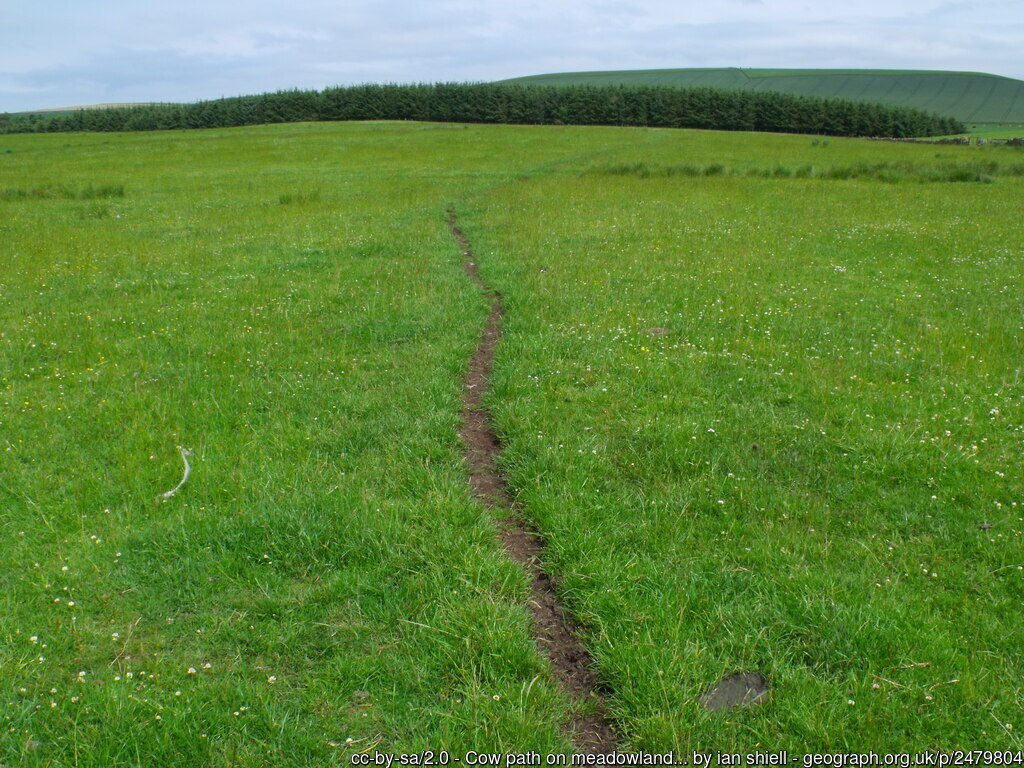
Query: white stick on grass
x=185, y=453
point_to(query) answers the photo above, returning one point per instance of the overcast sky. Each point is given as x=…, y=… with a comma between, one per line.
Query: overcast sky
x=56, y=53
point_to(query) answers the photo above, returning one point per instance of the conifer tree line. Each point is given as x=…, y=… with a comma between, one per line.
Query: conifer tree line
x=618, y=105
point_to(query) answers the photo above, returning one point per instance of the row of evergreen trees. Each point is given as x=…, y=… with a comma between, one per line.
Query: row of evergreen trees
x=656, y=106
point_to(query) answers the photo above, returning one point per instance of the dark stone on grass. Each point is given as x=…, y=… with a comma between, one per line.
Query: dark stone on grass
x=740, y=689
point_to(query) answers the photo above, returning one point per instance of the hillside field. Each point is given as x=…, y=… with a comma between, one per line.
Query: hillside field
x=972, y=97
x=761, y=394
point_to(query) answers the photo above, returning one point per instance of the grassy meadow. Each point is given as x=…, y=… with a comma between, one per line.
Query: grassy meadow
x=774, y=424
x=761, y=394
x=288, y=305
x=996, y=130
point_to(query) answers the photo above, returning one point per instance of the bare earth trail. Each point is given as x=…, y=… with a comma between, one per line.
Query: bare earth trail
x=554, y=629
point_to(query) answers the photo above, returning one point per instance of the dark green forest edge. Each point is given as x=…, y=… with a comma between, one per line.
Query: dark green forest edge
x=618, y=105
x=974, y=97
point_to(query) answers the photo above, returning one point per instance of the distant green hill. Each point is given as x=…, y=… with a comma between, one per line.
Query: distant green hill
x=972, y=97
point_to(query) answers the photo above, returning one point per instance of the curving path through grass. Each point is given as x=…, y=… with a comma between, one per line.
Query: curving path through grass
x=555, y=631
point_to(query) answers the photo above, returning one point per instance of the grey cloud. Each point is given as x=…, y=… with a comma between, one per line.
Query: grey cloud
x=112, y=50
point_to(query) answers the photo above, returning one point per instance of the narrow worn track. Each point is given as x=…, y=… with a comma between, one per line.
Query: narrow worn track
x=554, y=629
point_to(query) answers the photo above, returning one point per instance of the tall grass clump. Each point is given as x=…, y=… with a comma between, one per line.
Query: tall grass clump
x=62, y=192
x=983, y=171
x=299, y=198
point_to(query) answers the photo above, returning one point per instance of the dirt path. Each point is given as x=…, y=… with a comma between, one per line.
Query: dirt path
x=554, y=629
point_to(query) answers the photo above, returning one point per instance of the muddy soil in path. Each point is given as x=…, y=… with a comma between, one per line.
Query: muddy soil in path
x=554, y=629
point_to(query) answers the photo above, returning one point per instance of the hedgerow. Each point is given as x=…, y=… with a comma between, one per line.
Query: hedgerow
x=652, y=106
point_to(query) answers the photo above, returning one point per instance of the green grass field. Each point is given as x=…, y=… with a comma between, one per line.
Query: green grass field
x=973, y=97
x=761, y=395
x=996, y=130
